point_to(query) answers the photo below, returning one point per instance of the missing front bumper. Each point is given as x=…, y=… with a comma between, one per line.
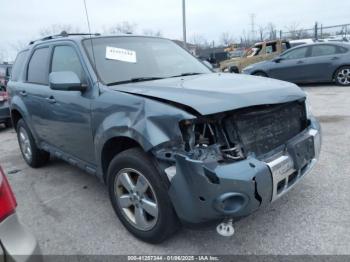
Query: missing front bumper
x=202, y=192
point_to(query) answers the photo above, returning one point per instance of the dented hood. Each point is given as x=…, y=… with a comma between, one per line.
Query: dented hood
x=214, y=93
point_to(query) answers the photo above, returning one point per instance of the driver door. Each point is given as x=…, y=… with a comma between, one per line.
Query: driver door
x=291, y=67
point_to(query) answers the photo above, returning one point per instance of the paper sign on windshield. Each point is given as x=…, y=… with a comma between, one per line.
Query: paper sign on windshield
x=120, y=54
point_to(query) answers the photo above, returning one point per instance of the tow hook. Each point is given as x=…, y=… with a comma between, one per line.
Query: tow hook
x=225, y=228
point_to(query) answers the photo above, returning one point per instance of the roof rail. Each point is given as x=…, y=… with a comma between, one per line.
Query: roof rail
x=62, y=34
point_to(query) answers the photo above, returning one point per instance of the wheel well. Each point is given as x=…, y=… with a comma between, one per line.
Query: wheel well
x=113, y=147
x=259, y=71
x=16, y=116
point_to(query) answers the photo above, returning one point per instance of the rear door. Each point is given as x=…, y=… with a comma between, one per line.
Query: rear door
x=69, y=116
x=292, y=65
x=36, y=89
x=322, y=60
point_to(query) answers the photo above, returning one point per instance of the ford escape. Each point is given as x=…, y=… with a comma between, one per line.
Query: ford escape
x=175, y=143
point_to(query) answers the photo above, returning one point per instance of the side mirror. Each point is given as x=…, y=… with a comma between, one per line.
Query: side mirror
x=65, y=81
x=208, y=64
x=277, y=59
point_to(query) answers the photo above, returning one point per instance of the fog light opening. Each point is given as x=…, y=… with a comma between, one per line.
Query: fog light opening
x=202, y=199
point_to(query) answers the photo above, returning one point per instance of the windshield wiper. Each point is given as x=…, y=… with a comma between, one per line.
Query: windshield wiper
x=134, y=80
x=187, y=74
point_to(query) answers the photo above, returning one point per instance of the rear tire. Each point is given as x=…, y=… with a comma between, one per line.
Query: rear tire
x=260, y=73
x=342, y=76
x=135, y=185
x=34, y=156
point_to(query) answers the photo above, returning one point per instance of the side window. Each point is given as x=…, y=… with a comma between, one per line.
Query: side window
x=19, y=65
x=271, y=48
x=8, y=74
x=323, y=50
x=37, y=68
x=295, y=54
x=342, y=50
x=65, y=58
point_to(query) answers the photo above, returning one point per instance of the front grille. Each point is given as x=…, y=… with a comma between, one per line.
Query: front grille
x=264, y=128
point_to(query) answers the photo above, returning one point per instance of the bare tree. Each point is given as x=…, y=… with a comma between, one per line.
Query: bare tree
x=19, y=45
x=57, y=29
x=226, y=39
x=199, y=41
x=294, y=31
x=262, y=32
x=150, y=32
x=245, y=39
x=124, y=27
x=272, y=32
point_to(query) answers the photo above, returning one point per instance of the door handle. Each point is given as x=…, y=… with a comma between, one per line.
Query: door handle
x=335, y=58
x=50, y=99
x=300, y=62
x=23, y=93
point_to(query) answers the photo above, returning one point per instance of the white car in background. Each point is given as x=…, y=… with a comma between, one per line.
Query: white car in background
x=294, y=43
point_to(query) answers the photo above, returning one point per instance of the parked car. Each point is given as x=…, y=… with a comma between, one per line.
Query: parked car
x=5, y=117
x=338, y=38
x=319, y=62
x=16, y=243
x=174, y=142
x=294, y=43
x=5, y=72
x=259, y=52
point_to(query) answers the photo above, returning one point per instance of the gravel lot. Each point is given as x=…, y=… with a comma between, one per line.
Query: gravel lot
x=70, y=213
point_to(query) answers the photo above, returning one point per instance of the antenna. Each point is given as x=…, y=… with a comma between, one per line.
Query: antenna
x=92, y=44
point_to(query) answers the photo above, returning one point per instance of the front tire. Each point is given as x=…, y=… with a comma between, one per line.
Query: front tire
x=34, y=156
x=139, y=196
x=234, y=70
x=342, y=76
x=259, y=73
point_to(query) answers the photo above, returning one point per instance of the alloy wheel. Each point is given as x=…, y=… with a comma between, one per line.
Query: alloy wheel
x=136, y=199
x=24, y=143
x=343, y=76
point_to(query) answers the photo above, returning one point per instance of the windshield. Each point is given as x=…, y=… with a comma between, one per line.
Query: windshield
x=129, y=58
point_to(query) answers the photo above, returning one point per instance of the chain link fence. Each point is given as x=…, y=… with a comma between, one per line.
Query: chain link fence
x=319, y=32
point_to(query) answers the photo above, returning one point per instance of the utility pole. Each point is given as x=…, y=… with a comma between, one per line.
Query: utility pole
x=316, y=31
x=184, y=23
x=252, y=19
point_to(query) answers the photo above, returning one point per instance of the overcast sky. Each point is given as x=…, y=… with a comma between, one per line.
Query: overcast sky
x=21, y=20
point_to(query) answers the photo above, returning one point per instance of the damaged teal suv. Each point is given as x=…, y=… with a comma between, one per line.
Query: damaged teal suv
x=175, y=143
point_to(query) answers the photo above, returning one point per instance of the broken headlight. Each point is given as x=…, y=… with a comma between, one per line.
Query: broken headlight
x=208, y=139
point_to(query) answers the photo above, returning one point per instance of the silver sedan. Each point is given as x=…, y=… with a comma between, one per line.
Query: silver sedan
x=16, y=243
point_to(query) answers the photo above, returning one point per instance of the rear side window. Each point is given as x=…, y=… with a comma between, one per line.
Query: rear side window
x=342, y=50
x=37, y=68
x=19, y=65
x=323, y=50
x=65, y=58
